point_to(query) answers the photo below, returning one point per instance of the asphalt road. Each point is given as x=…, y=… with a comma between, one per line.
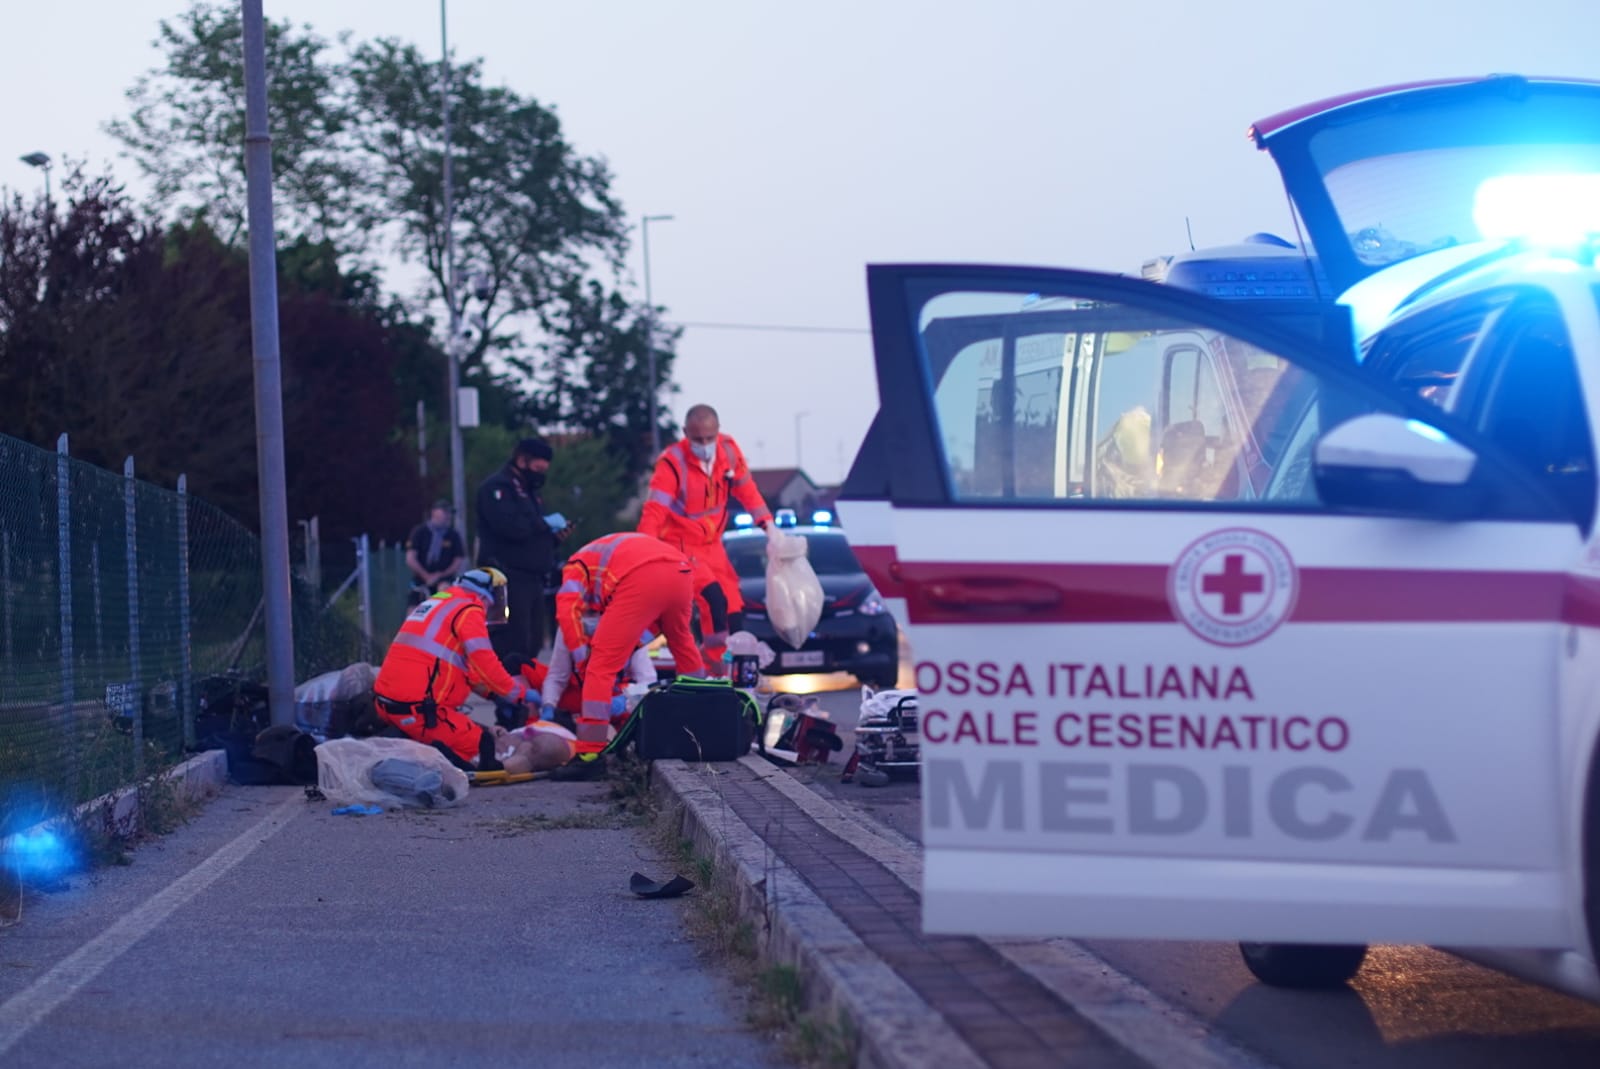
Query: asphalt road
x=270, y=932
x=1408, y=1008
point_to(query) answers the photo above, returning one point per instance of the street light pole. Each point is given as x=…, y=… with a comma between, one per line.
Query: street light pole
x=276, y=584
x=458, y=477
x=650, y=338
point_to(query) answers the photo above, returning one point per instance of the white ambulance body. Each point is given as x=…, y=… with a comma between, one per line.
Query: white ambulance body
x=1223, y=633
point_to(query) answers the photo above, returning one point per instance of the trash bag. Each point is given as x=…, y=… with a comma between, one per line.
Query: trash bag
x=330, y=705
x=345, y=773
x=794, y=596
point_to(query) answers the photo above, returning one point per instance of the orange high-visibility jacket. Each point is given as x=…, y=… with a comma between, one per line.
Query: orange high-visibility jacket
x=591, y=575
x=687, y=507
x=445, y=637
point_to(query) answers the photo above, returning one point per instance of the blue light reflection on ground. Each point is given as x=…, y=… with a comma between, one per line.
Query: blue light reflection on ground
x=41, y=850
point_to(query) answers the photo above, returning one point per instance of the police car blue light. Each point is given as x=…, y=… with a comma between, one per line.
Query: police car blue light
x=1542, y=209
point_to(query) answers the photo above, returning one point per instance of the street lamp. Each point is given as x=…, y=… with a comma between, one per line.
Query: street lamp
x=41, y=160
x=650, y=336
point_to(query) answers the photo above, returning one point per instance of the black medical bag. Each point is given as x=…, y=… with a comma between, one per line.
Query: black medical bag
x=692, y=720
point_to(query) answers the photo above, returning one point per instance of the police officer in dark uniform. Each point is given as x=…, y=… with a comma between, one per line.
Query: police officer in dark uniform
x=514, y=537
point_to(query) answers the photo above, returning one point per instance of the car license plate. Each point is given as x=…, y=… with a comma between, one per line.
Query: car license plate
x=801, y=659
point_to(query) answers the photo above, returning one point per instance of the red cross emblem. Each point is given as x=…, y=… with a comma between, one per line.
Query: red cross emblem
x=1233, y=583
x=1233, y=587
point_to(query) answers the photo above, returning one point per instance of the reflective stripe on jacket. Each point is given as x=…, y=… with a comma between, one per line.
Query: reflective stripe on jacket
x=686, y=506
x=445, y=638
x=590, y=578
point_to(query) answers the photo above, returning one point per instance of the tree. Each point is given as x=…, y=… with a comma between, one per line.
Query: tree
x=186, y=130
x=596, y=372
x=358, y=168
x=105, y=338
x=531, y=214
x=136, y=340
x=588, y=485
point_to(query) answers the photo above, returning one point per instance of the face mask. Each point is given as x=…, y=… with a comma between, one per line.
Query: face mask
x=533, y=479
x=704, y=450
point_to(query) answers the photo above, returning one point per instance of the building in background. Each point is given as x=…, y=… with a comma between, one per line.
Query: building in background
x=787, y=488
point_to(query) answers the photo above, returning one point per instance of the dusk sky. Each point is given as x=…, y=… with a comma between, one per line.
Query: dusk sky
x=794, y=144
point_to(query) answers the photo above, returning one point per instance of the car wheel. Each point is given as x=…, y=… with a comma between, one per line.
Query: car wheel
x=1302, y=965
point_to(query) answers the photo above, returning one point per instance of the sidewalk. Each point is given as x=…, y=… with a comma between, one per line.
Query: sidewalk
x=837, y=897
x=270, y=932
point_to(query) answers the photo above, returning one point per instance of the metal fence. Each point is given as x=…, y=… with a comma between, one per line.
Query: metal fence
x=119, y=600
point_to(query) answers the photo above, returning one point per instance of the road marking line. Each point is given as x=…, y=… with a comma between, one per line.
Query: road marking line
x=20, y=1013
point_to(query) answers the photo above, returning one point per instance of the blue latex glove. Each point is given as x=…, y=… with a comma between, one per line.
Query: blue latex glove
x=547, y=712
x=619, y=705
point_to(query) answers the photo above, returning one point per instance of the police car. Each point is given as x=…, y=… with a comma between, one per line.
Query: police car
x=1324, y=669
x=856, y=633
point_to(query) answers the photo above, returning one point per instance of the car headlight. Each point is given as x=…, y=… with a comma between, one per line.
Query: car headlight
x=872, y=605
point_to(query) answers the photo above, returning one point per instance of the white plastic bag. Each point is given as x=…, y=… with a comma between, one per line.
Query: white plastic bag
x=794, y=597
x=315, y=699
x=344, y=771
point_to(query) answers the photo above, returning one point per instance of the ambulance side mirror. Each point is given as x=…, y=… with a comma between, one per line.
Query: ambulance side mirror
x=1392, y=465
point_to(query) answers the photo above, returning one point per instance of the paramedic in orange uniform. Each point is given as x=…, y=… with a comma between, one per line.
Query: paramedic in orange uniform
x=632, y=582
x=441, y=655
x=687, y=507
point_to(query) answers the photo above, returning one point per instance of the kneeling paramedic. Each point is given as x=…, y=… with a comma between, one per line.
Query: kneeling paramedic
x=441, y=655
x=631, y=582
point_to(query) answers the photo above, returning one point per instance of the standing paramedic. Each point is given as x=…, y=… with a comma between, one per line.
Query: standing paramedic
x=687, y=508
x=514, y=537
x=441, y=655
x=631, y=582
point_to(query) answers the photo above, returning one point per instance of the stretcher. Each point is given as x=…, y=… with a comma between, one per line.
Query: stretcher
x=500, y=777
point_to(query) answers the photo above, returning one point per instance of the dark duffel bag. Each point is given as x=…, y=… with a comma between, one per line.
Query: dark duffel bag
x=692, y=720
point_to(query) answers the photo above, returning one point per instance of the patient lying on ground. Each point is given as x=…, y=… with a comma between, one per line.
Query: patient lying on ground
x=536, y=747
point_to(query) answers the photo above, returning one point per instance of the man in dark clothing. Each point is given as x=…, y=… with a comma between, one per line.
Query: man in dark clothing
x=434, y=553
x=514, y=537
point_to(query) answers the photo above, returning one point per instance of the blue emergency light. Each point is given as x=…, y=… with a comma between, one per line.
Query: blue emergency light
x=821, y=518
x=743, y=519
x=1555, y=210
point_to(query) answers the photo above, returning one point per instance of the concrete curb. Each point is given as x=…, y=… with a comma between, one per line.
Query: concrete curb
x=200, y=776
x=844, y=981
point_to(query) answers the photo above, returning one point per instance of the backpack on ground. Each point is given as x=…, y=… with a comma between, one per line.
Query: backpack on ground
x=691, y=720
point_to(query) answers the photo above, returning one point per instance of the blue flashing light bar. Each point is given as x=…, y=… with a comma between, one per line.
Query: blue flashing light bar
x=821, y=517
x=743, y=519
x=1541, y=209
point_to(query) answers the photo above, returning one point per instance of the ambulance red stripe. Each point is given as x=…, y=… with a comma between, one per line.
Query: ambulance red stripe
x=955, y=592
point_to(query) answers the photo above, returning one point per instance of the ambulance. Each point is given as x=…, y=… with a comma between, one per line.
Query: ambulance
x=1228, y=630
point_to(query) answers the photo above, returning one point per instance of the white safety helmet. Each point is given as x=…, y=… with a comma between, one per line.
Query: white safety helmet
x=490, y=585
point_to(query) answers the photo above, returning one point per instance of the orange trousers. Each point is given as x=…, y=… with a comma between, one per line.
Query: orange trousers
x=656, y=595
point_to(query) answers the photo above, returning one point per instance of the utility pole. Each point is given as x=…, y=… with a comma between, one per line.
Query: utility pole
x=458, y=477
x=275, y=582
x=650, y=339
